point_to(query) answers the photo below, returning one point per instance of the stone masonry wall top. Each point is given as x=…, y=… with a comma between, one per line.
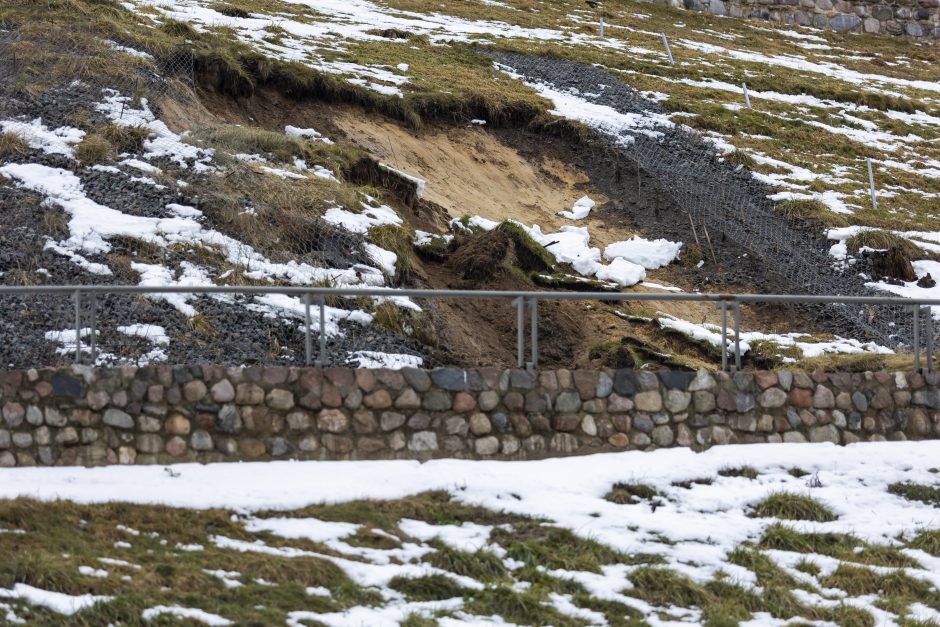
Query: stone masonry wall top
x=911, y=18
x=86, y=416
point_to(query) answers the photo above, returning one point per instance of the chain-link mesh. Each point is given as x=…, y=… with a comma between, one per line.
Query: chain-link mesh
x=723, y=208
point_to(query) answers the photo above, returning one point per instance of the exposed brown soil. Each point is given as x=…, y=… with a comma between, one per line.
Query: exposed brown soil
x=497, y=175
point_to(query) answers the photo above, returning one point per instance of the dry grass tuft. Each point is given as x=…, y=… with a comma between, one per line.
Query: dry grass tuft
x=95, y=148
x=885, y=240
x=12, y=145
x=125, y=138
x=809, y=209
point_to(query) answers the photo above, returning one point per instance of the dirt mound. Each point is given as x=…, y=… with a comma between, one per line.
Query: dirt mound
x=479, y=257
x=894, y=264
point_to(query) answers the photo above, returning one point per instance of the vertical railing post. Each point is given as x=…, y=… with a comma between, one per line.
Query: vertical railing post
x=916, y=337
x=533, y=333
x=78, y=326
x=308, y=341
x=723, y=306
x=737, y=335
x=928, y=331
x=668, y=51
x=520, y=331
x=321, y=360
x=93, y=316
x=871, y=184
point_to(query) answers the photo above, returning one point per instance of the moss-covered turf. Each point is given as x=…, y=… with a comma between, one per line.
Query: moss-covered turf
x=793, y=507
x=166, y=556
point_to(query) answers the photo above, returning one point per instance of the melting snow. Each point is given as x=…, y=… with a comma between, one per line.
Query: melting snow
x=58, y=602
x=59, y=141
x=580, y=210
x=188, y=613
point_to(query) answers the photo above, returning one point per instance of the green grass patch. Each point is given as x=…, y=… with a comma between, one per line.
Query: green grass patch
x=845, y=547
x=747, y=472
x=429, y=588
x=59, y=537
x=435, y=507
x=629, y=493
x=927, y=494
x=524, y=608
x=555, y=548
x=480, y=565
x=793, y=507
x=927, y=541
x=740, y=157
x=858, y=581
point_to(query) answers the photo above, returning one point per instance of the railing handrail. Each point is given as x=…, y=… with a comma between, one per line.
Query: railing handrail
x=520, y=299
x=439, y=293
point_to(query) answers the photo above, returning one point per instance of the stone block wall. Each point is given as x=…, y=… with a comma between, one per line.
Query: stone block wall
x=911, y=18
x=86, y=416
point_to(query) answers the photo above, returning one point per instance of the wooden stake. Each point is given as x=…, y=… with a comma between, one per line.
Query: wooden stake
x=712, y=248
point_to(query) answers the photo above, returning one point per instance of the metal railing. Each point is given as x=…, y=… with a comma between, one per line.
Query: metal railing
x=316, y=296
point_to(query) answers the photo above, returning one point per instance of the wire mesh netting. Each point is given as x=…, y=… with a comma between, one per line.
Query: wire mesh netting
x=722, y=207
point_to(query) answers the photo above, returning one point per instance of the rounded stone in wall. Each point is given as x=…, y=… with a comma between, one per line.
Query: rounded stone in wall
x=872, y=25
x=843, y=23
x=882, y=12
x=717, y=7
x=913, y=29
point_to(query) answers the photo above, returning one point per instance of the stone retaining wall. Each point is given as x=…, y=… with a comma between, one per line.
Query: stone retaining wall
x=164, y=414
x=912, y=18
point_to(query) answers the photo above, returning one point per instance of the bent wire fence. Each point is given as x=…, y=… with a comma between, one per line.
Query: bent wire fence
x=314, y=299
x=729, y=211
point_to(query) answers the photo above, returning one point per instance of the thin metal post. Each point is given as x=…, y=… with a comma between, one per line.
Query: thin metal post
x=94, y=321
x=602, y=26
x=533, y=333
x=668, y=51
x=929, y=332
x=520, y=331
x=639, y=172
x=321, y=359
x=747, y=97
x=916, y=334
x=737, y=336
x=871, y=184
x=308, y=341
x=78, y=326
x=723, y=306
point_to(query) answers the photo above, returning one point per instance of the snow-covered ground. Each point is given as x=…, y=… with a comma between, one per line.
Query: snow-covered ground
x=701, y=513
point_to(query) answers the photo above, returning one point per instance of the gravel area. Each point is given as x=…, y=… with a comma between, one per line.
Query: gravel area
x=228, y=331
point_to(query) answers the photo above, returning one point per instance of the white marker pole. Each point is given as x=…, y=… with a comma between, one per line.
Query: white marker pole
x=602, y=26
x=668, y=51
x=747, y=98
x=871, y=184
